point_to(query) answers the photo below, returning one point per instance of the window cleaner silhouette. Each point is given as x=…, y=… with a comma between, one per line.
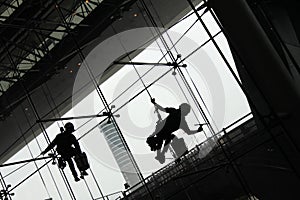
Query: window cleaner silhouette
x=165, y=128
x=68, y=147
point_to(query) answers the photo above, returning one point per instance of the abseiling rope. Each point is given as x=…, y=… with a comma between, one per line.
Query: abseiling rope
x=126, y=88
x=101, y=95
x=40, y=148
x=59, y=116
x=18, y=184
x=36, y=114
x=4, y=187
x=33, y=159
x=88, y=83
x=51, y=174
x=170, y=39
x=94, y=178
x=173, y=58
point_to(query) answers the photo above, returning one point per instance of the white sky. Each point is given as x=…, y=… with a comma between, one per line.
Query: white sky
x=226, y=104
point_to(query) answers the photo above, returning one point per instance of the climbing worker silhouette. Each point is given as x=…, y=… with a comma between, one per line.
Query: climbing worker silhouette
x=67, y=147
x=165, y=128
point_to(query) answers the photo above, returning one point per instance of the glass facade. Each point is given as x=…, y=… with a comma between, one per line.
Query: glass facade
x=206, y=84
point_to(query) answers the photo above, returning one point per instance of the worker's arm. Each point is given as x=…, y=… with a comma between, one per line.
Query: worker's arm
x=76, y=144
x=157, y=105
x=50, y=146
x=184, y=126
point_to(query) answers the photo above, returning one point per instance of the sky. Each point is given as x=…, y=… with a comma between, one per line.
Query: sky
x=223, y=99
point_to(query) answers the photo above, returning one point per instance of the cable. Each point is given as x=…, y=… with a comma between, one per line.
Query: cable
x=197, y=103
x=202, y=100
x=154, y=36
x=56, y=107
x=29, y=176
x=191, y=109
x=173, y=58
x=138, y=79
x=24, y=139
x=88, y=188
x=30, y=101
x=97, y=184
x=5, y=187
x=40, y=148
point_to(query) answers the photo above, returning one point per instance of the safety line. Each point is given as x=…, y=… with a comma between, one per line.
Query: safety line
x=88, y=188
x=24, y=161
x=24, y=139
x=95, y=180
x=40, y=148
x=201, y=98
x=170, y=53
x=137, y=79
x=182, y=91
x=28, y=97
x=5, y=187
x=18, y=184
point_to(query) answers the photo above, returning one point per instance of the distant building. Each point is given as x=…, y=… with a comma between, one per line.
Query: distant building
x=119, y=152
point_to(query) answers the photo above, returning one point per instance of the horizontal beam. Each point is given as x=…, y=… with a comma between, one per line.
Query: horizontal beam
x=25, y=161
x=144, y=63
x=70, y=118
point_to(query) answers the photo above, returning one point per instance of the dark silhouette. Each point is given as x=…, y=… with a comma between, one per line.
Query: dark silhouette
x=165, y=128
x=67, y=147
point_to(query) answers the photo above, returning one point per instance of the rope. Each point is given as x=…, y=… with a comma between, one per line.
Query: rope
x=202, y=100
x=42, y=179
x=157, y=30
x=146, y=87
x=186, y=69
x=97, y=184
x=173, y=58
x=119, y=132
x=197, y=142
x=154, y=36
x=62, y=173
x=40, y=148
x=4, y=187
x=88, y=188
x=167, y=33
x=56, y=107
x=92, y=77
x=136, y=95
x=29, y=176
x=191, y=109
x=31, y=154
x=195, y=101
x=28, y=96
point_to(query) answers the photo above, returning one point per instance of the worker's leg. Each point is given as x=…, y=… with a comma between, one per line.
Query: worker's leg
x=167, y=142
x=72, y=168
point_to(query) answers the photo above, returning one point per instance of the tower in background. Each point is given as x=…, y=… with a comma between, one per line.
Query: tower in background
x=119, y=152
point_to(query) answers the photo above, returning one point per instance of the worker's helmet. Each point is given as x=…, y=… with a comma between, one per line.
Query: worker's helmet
x=185, y=108
x=69, y=127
